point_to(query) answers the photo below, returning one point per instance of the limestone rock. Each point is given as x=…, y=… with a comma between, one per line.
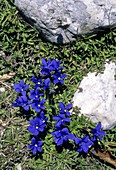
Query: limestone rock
x=60, y=21
x=97, y=98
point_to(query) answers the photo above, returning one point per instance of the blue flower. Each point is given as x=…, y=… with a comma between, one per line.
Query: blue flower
x=77, y=140
x=36, y=146
x=65, y=109
x=37, y=125
x=21, y=87
x=22, y=101
x=38, y=82
x=38, y=106
x=46, y=84
x=35, y=94
x=41, y=114
x=61, y=135
x=46, y=67
x=97, y=133
x=56, y=65
x=61, y=120
x=59, y=78
x=84, y=144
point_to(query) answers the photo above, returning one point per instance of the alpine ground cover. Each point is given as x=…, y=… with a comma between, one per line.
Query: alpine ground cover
x=52, y=79
x=24, y=51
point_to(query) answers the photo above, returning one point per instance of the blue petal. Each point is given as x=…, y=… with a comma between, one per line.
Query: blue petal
x=47, y=82
x=37, y=120
x=89, y=143
x=42, y=115
x=93, y=139
x=85, y=139
x=62, y=116
x=71, y=136
x=56, y=133
x=62, y=81
x=26, y=108
x=61, y=105
x=85, y=148
x=79, y=149
x=23, y=93
x=32, y=122
x=67, y=120
x=44, y=62
x=17, y=90
x=30, y=146
x=43, y=101
x=15, y=104
x=64, y=75
x=22, y=82
x=56, y=118
x=67, y=113
x=39, y=149
x=65, y=130
x=60, y=141
x=39, y=143
x=69, y=106
x=102, y=133
x=33, y=130
x=41, y=129
x=16, y=86
x=58, y=124
x=34, y=150
x=36, y=132
x=98, y=127
x=33, y=140
x=77, y=140
x=55, y=81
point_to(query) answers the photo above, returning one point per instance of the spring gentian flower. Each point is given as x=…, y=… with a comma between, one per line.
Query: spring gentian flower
x=61, y=120
x=97, y=133
x=38, y=82
x=46, y=67
x=35, y=94
x=65, y=109
x=46, y=84
x=22, y=101
x=36, y=146
x=21, y=87
x=84, y=144
x=56, y=65
x=42, y=115
x=37, y=125
x=59, y=78
x=60, y=136
x=38, y=106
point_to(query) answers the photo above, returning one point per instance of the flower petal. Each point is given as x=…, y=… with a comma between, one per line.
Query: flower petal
x=61, y=105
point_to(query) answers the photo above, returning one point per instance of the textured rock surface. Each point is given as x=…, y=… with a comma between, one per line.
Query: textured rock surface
x=60, y=21
x=98, y=97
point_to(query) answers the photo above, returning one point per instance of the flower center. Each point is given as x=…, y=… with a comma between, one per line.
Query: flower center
x=35, y=145
x=59, y=78
x=36, y=127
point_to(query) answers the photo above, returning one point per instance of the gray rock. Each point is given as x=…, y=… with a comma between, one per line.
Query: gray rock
x=97, y=98
x=60, y=21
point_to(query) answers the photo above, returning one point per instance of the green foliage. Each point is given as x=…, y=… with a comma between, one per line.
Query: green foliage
x=24, y=50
